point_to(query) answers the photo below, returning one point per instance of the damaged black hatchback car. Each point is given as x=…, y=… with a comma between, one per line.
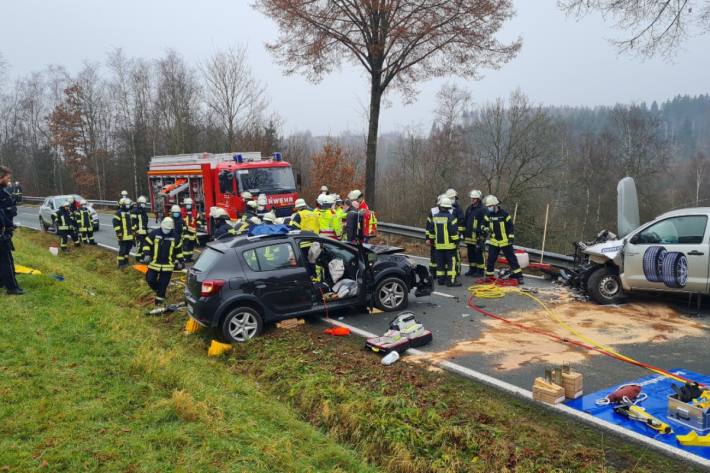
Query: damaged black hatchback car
x=239, y=284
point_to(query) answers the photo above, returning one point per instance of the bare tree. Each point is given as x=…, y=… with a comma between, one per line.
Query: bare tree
x=398, y=43
x=232, y=92
x=515, y=145
x=655, y=26
x=4, y=66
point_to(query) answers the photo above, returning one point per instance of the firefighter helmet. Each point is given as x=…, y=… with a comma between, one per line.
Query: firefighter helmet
x=65, y=203
x=142, y=200
x=269, y=217
x=167, y=224
x=354, y=195
x=491, y=200
x=300, y=204
x=124, y=193
x=445, y=203
x=261, y=200
x=83, y=202
x=320, y=199
x=246, y=195
x=328, y=200
x=187, y=201
x=175, y=209
x=252, y=204
x=451, y=194
x=476, y=194
x=324, y=188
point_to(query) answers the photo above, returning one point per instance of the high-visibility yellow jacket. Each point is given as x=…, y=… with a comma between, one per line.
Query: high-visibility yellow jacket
x=164, y=250
x=443, y=231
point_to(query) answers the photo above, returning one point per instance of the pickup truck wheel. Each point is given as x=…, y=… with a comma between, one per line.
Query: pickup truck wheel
x=604, y=287
x=675, y=270
x=241, y=324
x=653, y=263
x=391, y=294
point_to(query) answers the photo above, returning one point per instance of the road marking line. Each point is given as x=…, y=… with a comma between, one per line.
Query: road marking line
x=443, y=294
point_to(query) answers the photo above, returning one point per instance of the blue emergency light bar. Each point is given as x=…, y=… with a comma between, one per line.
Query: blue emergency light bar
x=238, y=158
x=277, y=156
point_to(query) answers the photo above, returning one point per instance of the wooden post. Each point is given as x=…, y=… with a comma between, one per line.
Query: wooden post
x=515, y=213
x=544, y=233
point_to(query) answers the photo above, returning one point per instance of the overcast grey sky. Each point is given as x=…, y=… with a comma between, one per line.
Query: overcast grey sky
x=562, y=61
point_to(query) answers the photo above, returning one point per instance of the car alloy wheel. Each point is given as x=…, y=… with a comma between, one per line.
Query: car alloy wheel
x=391, y=294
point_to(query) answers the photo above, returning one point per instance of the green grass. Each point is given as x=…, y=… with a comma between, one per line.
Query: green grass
x=88, y=383
x=92, y=384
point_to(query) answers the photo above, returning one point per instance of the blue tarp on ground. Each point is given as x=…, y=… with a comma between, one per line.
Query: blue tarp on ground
x=658, y=389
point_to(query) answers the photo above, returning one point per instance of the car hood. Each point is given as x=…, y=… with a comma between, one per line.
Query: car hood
x=383, y=250
x=608, y=250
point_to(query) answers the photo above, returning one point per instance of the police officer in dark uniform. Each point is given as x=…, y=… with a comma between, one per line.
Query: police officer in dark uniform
x=8, y=211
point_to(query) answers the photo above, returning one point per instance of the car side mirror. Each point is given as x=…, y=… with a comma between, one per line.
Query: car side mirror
x=634, y=239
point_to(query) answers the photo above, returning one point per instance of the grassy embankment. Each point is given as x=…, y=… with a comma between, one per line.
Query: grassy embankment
x=87, y=382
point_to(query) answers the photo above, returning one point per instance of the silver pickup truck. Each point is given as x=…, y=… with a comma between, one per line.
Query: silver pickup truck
x=668, y=254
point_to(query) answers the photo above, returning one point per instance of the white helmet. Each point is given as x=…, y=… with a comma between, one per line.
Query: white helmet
x=445, y=203
x=66, y=203
x=300, y=203
x=269, y=217
x=354, y=195
x=252, y=204
x=324, y=188
x=475, y=194
x=83, y=202
x=167, y=224
x=328, y=200
x=126, y=202
x=219, y=212
x=175, y=208
x=187, y=201
x=261, y=200
x=246, y=195
x=439, y=197
x=320, y=199
x=124, y=193
x=254, y=220
x=280, y=221
x=490, y=201
x=142, y=200
x=451, y=194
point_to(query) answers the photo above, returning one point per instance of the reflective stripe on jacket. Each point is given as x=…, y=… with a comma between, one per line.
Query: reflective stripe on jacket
x=123, y=225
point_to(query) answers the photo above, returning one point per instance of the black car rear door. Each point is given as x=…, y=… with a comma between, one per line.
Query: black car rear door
x=279, y=280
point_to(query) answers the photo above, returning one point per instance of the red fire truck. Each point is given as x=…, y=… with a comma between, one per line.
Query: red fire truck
x=217, y=180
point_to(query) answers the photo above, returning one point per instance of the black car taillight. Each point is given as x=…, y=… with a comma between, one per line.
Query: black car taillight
x=211, y=287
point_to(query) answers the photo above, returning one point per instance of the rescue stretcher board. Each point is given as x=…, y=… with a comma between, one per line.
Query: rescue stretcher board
x=658, y=388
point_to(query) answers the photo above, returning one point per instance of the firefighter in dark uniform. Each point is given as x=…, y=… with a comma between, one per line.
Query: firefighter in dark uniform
x=222, y=228
x=474, y=235
x=176, y=215
x=65, y=225
x=459, y=214
x=8, y=211
x=140, y=220
x=244, y=227
x=501, y=235
x=162, y=252
x=432, y=251
x=193, y=221
x=443, y=233
x=84, y=223
x=125, y=231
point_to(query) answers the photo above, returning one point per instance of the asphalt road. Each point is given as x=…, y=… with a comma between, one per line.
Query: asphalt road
x=446, y=314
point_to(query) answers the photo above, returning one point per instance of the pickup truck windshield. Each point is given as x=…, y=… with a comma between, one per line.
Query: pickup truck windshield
x=268, y=180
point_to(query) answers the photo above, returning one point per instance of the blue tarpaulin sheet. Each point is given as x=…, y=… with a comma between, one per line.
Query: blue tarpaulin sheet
x=658, y=388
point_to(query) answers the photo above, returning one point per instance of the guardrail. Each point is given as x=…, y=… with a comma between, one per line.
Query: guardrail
x=418, y=233
x=389, y=228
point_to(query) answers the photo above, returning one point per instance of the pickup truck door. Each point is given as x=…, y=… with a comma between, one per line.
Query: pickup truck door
x=669, y=255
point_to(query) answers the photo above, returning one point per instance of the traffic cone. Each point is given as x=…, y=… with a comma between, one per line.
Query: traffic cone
x=192, y=326
x=217, y=348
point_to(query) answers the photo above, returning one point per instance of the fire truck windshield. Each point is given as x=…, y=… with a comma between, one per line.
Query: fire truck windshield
x=267, y=180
